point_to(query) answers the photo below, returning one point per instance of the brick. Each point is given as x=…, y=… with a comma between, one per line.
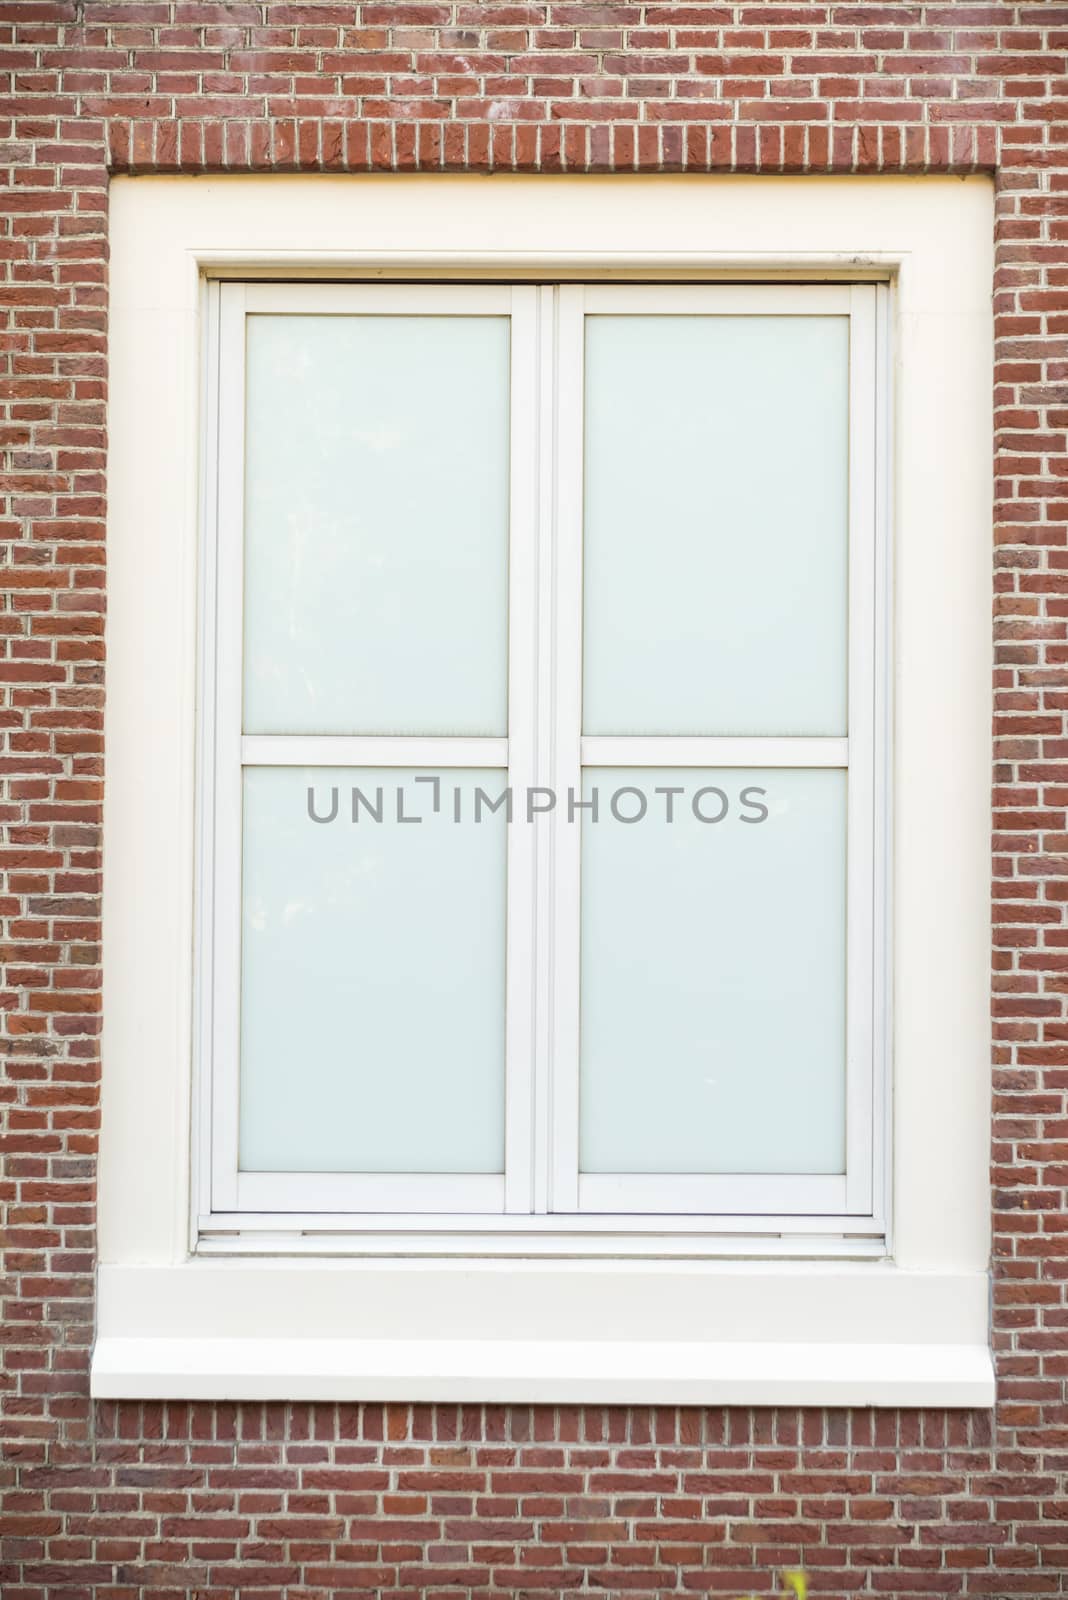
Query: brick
x=434, y=1500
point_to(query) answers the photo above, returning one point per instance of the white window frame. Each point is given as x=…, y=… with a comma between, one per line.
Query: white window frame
x=746, y=1318
x=856, y=1202
x=265, y=1199
x=541, y=1184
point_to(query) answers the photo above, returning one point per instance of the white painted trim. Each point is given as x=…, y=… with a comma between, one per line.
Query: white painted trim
x=357, y=1329
x=719, y=300
x=350, y=1193
x=370, y=750
x=863, y=1045
x=706, y=1233
x=883, y=841
x=933, y=238
x=854, y=1194
x=564, y=933
x=554, y=1372
x=546, y=424
x=204, y=807
x=219, y=865
x=624, y=266
x=731, y=1193
x=379, y=299
x=835, y=1302
x=221, y=840
x=674, y=750
x=521, y=889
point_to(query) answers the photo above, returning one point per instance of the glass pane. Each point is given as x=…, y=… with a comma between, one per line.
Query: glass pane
x=376, y=525
x=715, y=525
x=713, y=972
x=372, y=993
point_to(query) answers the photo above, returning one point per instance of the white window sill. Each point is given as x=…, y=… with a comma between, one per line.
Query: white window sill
x=561, y=1372
x=698, y=1333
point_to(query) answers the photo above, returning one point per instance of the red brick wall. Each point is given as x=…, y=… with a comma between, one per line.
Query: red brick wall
x=111, y=1501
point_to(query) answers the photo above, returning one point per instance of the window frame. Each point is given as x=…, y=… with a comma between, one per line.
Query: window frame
x=747, y=1318
x=542, y=1192
x=228, y=751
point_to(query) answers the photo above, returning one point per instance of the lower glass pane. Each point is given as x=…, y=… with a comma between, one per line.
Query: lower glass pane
x=713, y=971
x=372, y=990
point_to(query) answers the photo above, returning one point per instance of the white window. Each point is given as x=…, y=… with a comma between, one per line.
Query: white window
x=557, y=484
x=543, y=703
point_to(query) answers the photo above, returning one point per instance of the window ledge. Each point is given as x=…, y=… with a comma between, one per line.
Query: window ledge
x=691, y=1333
x=605, y=1372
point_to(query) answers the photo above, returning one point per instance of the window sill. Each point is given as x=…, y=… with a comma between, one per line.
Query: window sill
x=602, y=1372
x=697, y=1333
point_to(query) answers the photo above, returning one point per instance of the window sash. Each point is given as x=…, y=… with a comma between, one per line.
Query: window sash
x=230, y=752
x=542, y=1185
x=854, y=1194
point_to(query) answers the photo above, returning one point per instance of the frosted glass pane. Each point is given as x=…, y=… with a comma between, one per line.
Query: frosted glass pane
x=713, y=973
x=376, y=525
x=715, y=525
x=372, y=993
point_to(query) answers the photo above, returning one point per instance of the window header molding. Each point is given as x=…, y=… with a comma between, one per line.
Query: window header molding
x=668, y=266
x=933, y=239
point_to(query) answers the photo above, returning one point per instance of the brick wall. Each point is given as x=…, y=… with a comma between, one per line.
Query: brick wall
x=109, y=1502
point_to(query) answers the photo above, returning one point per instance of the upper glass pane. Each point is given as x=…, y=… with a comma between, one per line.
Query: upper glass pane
x=716, y=517
x=376, y=524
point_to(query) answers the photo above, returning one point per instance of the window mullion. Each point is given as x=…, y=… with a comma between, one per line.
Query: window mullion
x=521, y=936
x=566, y=777
x=542, y=831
